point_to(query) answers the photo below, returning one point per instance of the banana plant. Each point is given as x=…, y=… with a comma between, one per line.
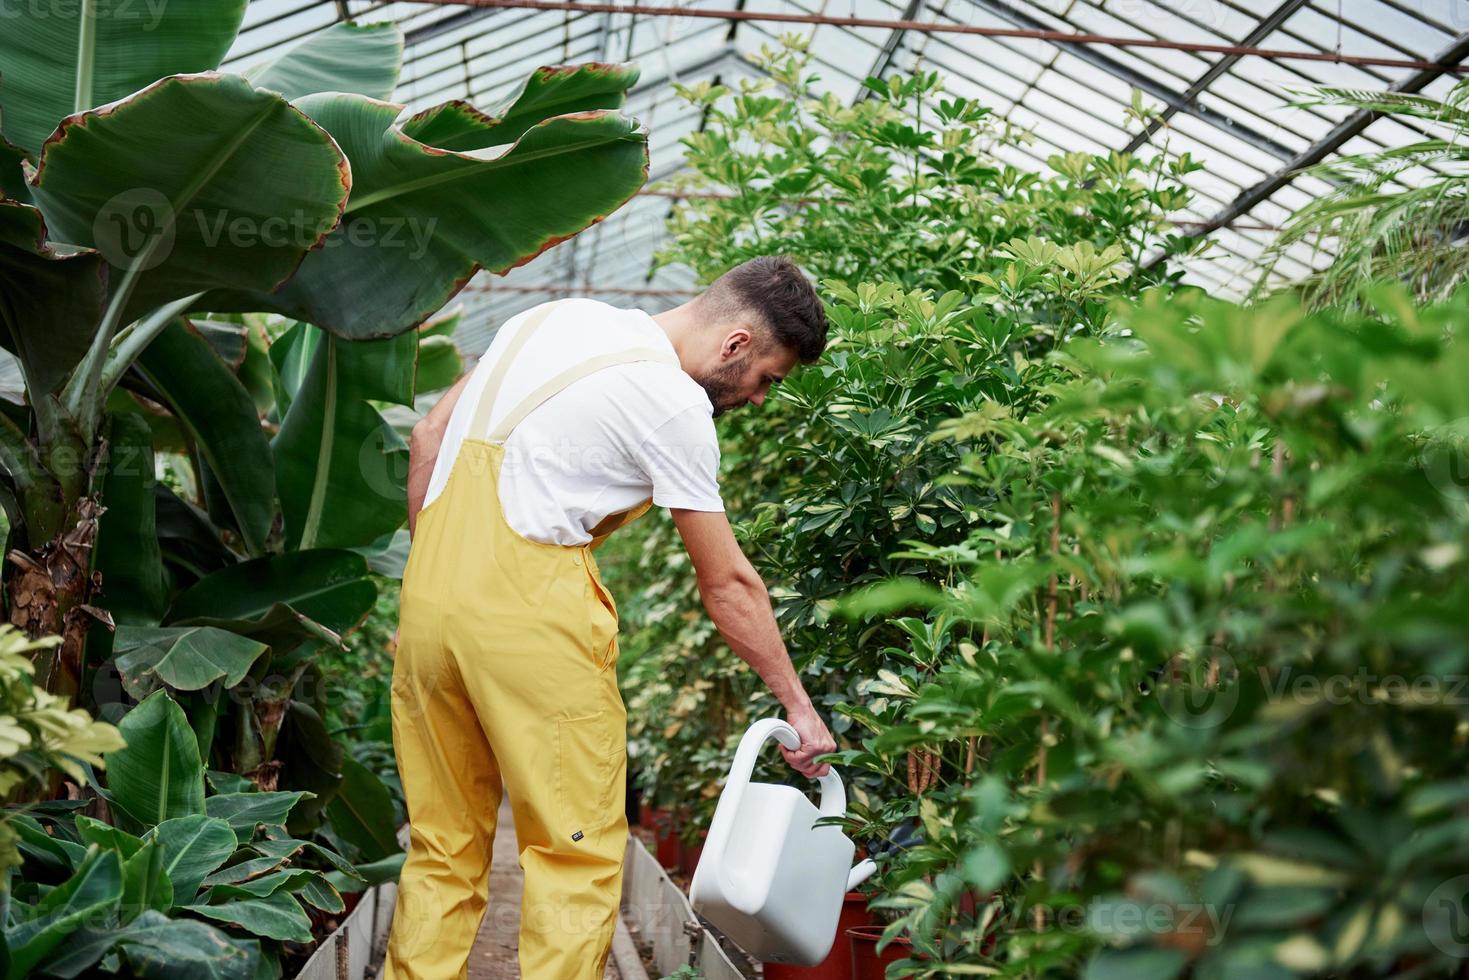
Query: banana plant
x=329, y=207
x=209, y=883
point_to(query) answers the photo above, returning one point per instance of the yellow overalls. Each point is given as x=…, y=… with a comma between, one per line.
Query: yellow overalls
x=506, y=668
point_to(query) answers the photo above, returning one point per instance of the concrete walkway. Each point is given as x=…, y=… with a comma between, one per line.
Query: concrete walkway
x=494, y=956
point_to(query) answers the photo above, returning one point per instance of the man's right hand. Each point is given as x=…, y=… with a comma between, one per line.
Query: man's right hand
x=739, y=604
x=815, y=740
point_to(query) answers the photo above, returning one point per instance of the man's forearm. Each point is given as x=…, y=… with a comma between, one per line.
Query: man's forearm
x=741, y=610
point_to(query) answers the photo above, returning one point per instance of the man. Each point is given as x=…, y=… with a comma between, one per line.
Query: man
x=577, y=419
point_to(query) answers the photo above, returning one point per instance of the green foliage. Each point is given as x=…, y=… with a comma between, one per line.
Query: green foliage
x=1141, y=615
x=214, y=884
x=1388, y=215
x=38, y=731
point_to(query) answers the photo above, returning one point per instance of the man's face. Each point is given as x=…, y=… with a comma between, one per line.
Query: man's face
x=741, y=374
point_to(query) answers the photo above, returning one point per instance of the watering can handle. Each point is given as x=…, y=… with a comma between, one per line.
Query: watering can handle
x=833, y=795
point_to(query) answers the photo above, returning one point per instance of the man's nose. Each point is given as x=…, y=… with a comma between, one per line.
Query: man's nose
x=758, y=399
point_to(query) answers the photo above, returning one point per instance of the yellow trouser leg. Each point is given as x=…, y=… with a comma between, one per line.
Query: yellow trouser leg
x=566, y=772
x=451, y=783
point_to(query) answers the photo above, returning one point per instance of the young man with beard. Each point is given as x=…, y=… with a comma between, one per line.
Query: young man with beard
x=578, y=419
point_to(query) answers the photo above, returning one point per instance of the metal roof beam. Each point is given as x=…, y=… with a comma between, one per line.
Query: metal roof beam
x=1174, y=99
x=884, y=59
x=1448, y=59
x=1262, y=30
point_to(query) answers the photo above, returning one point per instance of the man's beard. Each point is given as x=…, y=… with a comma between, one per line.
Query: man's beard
x=720, y=385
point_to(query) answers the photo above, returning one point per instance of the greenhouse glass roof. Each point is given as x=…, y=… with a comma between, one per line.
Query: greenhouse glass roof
x=1231, y=110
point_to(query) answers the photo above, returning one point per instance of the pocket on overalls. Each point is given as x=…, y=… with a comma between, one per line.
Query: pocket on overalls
x=604, y=620
x=583, y=774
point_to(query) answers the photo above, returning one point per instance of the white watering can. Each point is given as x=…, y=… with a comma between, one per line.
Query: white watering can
x=767, y=878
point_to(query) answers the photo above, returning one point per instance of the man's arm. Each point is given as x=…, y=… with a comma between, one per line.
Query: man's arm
x=423, y=448
x=739, y=604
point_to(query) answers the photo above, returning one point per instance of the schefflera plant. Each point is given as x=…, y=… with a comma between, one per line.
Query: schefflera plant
x=1209, y=603
x=949, y=278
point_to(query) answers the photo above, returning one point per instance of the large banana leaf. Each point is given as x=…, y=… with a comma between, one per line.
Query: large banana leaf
x=158, y=775
x=362, y=812
x=548, y=91
x=58, y=58
x=184, y=658
x=50, y=300
x=423, y=220
x=360, y=58
x=156, y=946
x=127, y=554
x=244, y=810
x=193, y=846
x=85, y=897
x=340, y=469
x=327, y=586
x=277, y=916
x=247, y=185
x=218, y=413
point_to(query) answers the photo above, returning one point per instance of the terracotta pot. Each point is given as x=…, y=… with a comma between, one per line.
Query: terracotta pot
x=971, y=904
x=688, y=854
x=838, y=963
x=867, y=962
x=666, y=839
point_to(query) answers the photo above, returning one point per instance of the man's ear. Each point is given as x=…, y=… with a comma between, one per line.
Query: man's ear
x=738, y=338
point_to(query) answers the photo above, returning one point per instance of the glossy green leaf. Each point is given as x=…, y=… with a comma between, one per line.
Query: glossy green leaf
x=158, y=775
x=86, y=897
x=127, y=553
x=244, y=810
x=154, y=945
x=362, y=812
x=278, y=916
x=193, y=846
x=216, y=210
x=341, y=470
x=145, y=883
x=94, y=831
x=421, y=221
x=50, y=300
x=325, y=585
x=219, y=417
x=53, y=58
x=361, y=58
x=184, y=658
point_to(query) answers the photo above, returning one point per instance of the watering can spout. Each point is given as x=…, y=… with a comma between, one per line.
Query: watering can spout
x=860, y=872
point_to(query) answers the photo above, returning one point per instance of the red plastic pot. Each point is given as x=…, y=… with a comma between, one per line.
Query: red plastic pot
x=970, y=904
x=867, y=962
x=688, y=854
x=666, y=840
x=645, y=814
x=838, y=963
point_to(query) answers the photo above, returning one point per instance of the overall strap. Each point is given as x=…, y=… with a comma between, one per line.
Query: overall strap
x=491, y=392
x=576, y=372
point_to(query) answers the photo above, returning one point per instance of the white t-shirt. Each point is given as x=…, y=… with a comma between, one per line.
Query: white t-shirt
x=605, y=443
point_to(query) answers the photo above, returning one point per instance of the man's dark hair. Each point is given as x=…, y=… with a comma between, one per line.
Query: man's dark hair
x=773, y=290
